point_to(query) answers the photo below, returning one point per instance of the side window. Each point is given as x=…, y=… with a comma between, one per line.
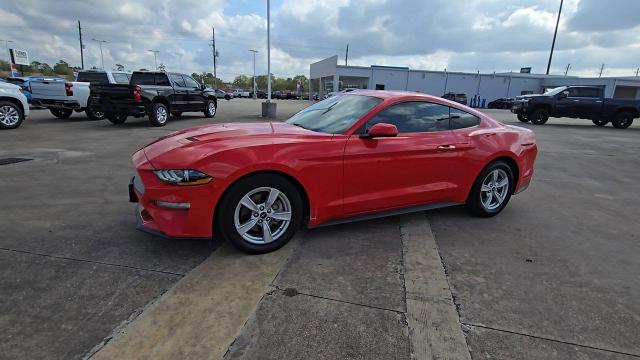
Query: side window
x=415, y=116
x=591, y=92
x=162, y=80
x=120, y=78
x=177, y=79
x=461, y=119
x=191, y=83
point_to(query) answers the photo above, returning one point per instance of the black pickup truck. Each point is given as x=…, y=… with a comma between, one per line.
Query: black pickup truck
x=156, y=94
x=580, y=102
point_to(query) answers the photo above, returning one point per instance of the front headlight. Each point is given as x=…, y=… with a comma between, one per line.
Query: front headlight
x=183, y=177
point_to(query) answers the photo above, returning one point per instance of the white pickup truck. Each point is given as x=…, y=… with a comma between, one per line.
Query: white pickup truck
x=64, y=97
x=13, y=106
x=239, y=93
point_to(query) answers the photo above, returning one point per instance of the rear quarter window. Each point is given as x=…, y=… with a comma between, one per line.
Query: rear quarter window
x=93, y=77
x=460, y=119
x=121, y=78
x=143, y=79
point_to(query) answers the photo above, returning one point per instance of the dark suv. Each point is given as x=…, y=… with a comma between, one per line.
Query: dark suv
x=156, y=94
x=459, y=98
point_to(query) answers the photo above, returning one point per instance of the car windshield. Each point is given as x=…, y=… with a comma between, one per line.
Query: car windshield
x=555, y=91
x=335, y=114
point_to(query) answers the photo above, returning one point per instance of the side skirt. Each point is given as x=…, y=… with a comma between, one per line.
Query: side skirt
x=386, y=213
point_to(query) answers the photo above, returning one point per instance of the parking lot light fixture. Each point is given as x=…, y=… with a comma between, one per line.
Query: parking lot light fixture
x=255, y=92
x=101, y=55
x=155, y=57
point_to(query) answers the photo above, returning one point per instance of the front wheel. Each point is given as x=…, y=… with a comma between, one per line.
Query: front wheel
x=600, y=122
x=539, y=117
x=523, y=118
x=492, y=190
x=116, y=118
x=210, y=108
x=622, y=120
x=61, y=113
x=260, y=214
x=94, y=115
x=159, y=114
x=11, y=116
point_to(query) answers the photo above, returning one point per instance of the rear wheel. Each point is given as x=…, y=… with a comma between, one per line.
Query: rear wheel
x=210, y=108
x=159, y=114
x=622, y=120
x=11, y=115
x=523, y=118
x=492, y=190
x=600, y=122
x=539, y=117
x=260, y=213
x=94, y=115
x=61, y=113
x=116, y=118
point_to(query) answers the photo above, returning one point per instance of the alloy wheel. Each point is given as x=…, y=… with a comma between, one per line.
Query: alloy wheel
x=495, y=188
x=263, y=215
x=9, y=115
x=212, y=108
x=161, y=114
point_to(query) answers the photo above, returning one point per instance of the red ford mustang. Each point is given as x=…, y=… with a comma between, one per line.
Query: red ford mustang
x=360, y=155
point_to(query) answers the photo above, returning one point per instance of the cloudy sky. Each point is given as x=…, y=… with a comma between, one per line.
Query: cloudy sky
x=485, y=35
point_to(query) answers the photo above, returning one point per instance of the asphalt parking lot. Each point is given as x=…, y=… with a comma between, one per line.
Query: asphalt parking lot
x=556, y=275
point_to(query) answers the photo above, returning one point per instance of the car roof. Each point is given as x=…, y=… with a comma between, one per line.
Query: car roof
x=388, y=94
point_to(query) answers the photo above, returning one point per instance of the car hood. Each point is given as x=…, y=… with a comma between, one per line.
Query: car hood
x=186, y=147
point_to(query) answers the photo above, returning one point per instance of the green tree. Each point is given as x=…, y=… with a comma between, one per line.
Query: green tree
x=242, y=81
x=4, y=66
x=62, y=68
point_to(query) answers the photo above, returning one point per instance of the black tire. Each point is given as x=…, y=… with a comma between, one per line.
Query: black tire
x=94, y=115
x=116, y=118
x=225, y=218
x=622, y=120
x=474, y=202
x=13, y=110
x=61, y=113
x=158, y=114
x=210, y=112
x=539, y=117
x=227, y=97
x=600, y=122
x=176, y=114
x=523, y=118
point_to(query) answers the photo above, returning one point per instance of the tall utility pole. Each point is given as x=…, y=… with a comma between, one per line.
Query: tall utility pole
x=553, y=43
x=346, y=56
x=81, y=47
x=255, y=90
x=637, y=71
x=215, y=54
x=566, y=71
x=601, y=69
x=101, y=56
x=155, y=57
x=268, y=50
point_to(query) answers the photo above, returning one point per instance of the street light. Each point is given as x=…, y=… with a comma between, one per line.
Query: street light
x=101, y=56
x=155, y=57
x=255, y=92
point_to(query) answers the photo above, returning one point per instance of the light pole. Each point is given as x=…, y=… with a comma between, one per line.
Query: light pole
x=101, y=56
x=268, y=50
x=553, y=43
x=155, y=57
x=6, y=48
x=255, y=92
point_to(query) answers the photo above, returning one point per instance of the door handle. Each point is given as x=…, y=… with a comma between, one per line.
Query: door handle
x=489, y=134
x=446, y=147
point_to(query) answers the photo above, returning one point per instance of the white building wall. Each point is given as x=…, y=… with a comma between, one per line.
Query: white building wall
x=392, y=79
x=520, y=84
x=427, y=82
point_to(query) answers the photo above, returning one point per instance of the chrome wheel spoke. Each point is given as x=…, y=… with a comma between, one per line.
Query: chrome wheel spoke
x=281, y=215
x=273, y=195
x=502, y=183
x=494, y=177
x=242, y=229
x=487, y=202
x=266, y=233
x=485, y=188
x=498, y=198
x=248, y=203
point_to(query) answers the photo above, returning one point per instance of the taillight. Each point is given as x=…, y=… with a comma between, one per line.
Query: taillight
x=137, y=94
x=68, y=87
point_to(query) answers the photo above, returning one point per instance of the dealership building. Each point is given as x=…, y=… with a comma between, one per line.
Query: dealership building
x=328, y=76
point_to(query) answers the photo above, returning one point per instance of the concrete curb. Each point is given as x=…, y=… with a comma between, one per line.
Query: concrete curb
x=204, y=312
x=434, y=326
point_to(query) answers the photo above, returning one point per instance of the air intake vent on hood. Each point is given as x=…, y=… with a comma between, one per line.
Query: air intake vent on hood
x=192, y=138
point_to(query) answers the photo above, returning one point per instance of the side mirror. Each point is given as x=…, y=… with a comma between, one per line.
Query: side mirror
x=382, y=130
x=564, y=94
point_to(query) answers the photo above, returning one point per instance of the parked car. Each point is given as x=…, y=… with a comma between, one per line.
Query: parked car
x=24, y=82
x=459, y=97
x=260, y=95
x=239, y=93
x=338, y=160
x=221, y=94
x=502, y=103
x=62, y=98
x=157, y=94
x=14, y=107
x=578, y=102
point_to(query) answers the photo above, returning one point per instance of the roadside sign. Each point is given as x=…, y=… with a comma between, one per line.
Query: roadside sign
x=19, y=57
x=525, y=70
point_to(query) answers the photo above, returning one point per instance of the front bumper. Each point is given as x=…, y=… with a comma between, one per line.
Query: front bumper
x=151, y=196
